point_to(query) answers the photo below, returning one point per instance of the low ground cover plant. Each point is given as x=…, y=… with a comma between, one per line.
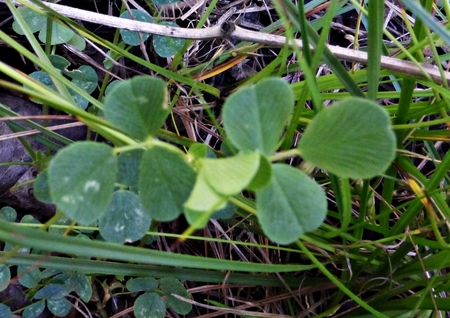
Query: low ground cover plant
x=292, y=192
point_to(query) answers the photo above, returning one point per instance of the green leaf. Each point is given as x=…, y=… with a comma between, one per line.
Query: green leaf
x=82, y=286
x=60, y=34
x=166, y=46
x=34, y=310
x=164, y=2
x=29, y=277
x=229, y=176
x=125, y=220
x=51, y=290
x=5, y=312
x=202, y=202
x=146, y=284
x=81, y=179
x=165, y=182
x=8, y=214
x=131, y=37
x=86, y=78
x=64, y=220
x=290, y=205
x=197, y=151
x=129, y=163
x=88, y=84
x=41, y=187
x=59, y=307
x=149, y=305
x=45, y=79
x=22, y=249
x=34, y=20
x=138, y=106
x=29, y=219
x=227, y=212
x=77, y=42
x=169, y=286
x=262, y=176
x=49, y=272
x=351, y=139
x=59, y=62
x=254, y=117
x=5, y=277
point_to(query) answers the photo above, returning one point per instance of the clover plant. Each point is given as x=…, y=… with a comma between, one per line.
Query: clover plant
x=84, y=77
x=59, y=32
x=47, y=288
x=154, y=180
x=164, y=46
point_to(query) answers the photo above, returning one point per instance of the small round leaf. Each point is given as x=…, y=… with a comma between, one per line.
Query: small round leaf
x=129, y=163
x=5, y=312
x=164, y=2
x=166, y=46
x=60, y=34
x=169, y=286
x=202, y=202
x=41, y=188
x=165, y=182
x=34, y=310
x=8, y=214
x=149, y=305
x=138, y=106
x=125, y=220
x=290, y=205
x=229, y=176
x=81, y=179
x=254, y=117
x=28, y=277
x=82, y=286
x=146, y=284
x=59, y=307
x=131, y=37
x=34, y=20
x=54, y=291
x=351, y=139
x=5, y=276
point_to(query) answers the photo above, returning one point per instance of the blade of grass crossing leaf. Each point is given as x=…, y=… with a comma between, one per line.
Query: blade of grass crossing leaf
x=97, y=39
x=143, y=270
x=48, y=96
x=375, y=38
x=19, y=235
x=43, y=59
x=49, y=69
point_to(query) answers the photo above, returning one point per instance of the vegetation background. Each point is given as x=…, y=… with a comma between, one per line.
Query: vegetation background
x=329, y=168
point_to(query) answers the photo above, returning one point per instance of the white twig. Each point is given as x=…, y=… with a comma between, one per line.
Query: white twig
x=229, y=30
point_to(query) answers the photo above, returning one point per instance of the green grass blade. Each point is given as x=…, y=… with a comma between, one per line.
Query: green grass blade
x=375, y=43
x=18, y=235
